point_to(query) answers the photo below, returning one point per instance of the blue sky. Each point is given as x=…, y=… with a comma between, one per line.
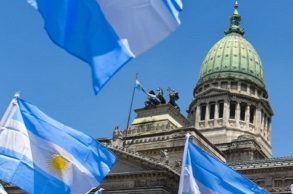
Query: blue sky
x=60, y=84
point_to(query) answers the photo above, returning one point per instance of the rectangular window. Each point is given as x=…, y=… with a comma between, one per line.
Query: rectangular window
x=243, y=87
x=252, y=114
x=206, y=86
x=232, y=110
x=224, y=85
x=221, y=109
x=278, y=183
x=203, y=112
x=234, y=85
x=215, y=84
x=252, y=90
x=242, y=111
x=212, y=111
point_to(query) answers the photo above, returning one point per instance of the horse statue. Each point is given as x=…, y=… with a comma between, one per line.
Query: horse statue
x=173, y=97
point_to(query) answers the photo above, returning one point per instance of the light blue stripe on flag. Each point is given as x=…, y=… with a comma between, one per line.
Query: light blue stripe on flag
x=108, y=33
x=20, y=171
x=203, y=173
x=39, y=154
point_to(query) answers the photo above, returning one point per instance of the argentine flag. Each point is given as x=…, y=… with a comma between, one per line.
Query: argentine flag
x=2, y=190
x=204, y=174
x=42, y=156
x=108, y=33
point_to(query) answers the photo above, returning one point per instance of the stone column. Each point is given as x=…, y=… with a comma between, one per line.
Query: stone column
x=262, y=117
x=216, y=113
x=247, y=116
x=226, y=112
x=257, y=119
x=270, y=131
x=238, y=86
x=197, y=117
x=216, y=110
x=237, y=114
x=207, y=118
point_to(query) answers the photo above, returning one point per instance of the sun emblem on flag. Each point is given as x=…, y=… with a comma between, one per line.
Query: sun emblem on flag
x=59, y=163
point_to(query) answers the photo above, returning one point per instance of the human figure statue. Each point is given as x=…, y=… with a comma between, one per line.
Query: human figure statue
x=117, y=134
x=164, y=156
x=152, y=99
x=160, y=96
x=173, y=97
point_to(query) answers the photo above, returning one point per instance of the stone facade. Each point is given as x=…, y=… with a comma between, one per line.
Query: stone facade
x=226, y=109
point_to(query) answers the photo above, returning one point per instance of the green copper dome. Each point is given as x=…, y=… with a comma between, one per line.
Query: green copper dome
x=233, y=57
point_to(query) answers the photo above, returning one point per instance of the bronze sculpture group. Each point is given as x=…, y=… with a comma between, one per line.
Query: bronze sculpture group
x=154, y=99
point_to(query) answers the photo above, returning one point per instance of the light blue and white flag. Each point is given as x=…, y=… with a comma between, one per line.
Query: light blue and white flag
x=138, y=86
x=108, y=33
x=204, y=174
x=99, y=191
x=41, y=155
x=2, y=190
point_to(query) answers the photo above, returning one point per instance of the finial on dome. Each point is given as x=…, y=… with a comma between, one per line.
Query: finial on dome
x=236, y=5
x=235, y=20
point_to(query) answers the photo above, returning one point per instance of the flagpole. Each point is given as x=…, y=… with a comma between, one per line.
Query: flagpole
x=180, y=190
x=131, y=104
x=9, y=110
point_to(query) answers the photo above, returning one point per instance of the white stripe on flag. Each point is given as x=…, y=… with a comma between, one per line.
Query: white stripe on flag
x=142, y=22
x=33, y=3
x=40, y=152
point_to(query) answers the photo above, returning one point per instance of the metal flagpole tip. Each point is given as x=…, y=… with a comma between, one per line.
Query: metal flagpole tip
x=17, y=95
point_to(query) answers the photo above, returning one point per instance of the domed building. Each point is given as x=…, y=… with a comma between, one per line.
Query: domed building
x=231, y=102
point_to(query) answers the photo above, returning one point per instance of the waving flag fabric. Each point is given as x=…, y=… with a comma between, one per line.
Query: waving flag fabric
x=204, y=174
x=2, y=190
x=43, y=156
x=108, y=33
